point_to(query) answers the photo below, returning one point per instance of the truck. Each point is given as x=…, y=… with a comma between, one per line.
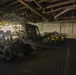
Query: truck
x=20, y=42
x=25, y=42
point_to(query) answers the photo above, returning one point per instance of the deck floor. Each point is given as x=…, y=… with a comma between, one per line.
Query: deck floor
x=53, y=61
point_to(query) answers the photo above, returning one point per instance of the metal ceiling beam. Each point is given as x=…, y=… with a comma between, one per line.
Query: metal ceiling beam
x=37, y=3
x=64, y=21
x=21, y=8
x=28, y=0
x=1, y=2
x=64, y=11
x=12, y=3
x=61, y=3
x=47, y=1
x=66, y=18
x=18, y=6
x=58, y=4
x=34, y=2
x=33, y=10
x=59, y=9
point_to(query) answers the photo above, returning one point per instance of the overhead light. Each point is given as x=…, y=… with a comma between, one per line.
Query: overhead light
x=6, y=24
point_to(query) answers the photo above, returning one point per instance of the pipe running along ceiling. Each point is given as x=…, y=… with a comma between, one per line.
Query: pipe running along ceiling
x=38, y=10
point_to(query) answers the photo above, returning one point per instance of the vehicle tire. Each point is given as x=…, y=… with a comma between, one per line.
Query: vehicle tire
x=9, y=55
x=27, y=49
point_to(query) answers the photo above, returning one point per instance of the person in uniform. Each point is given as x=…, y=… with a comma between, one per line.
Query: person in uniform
x=53, y=39
x=56, y=39
x=62, y=39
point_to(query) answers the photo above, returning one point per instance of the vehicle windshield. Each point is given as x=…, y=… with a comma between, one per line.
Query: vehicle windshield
x=1, y=36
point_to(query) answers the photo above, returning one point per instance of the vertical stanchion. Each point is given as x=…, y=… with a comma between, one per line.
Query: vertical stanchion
x=68, y=52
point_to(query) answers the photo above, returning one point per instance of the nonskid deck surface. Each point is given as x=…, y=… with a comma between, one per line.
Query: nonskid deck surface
x=53, y=61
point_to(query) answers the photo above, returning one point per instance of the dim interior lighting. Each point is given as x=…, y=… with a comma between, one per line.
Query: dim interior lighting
x=18, y=25
x=43, y=11
x=27, y=15
x=50, y=17
x=61, y=25
x=13, y=25
x=25, y=12
x=6, y=24
x=10, y=25
x=4, y=30
x=22, y=13
x=6, y=38
x=14, y=19
x=3, y=15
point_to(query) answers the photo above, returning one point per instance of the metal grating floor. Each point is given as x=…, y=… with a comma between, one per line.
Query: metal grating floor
x=41, y=62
